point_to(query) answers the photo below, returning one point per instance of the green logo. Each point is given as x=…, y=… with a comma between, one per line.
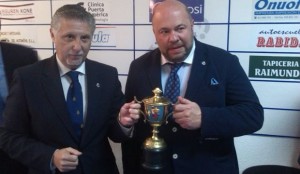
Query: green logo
x=274, y=67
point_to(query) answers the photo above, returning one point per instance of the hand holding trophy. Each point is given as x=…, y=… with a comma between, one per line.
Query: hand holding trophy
x=155, y=113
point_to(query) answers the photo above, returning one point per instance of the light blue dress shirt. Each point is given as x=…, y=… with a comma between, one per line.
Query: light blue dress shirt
x=3, y=87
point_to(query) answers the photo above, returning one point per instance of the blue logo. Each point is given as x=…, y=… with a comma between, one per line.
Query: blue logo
x=275, y=7
x=196, y=8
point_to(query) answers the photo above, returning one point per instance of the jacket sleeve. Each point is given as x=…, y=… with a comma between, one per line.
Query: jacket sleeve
x=241, y=113
x=14, y=134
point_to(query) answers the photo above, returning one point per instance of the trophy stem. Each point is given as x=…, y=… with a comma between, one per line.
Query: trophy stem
x=154, y=151
x=155, y=133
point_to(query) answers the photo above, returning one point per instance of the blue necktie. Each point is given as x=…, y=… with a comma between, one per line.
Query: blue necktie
x=75, y=102
x=172, y=88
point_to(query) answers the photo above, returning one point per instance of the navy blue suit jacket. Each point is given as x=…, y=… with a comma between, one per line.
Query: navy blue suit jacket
x=14, y=56
x=230, y=108
x=36, y=120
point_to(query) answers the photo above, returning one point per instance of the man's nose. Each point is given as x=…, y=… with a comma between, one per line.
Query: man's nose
x=174, y=36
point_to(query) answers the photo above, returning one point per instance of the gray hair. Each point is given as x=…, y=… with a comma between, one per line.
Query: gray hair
x=75, y=12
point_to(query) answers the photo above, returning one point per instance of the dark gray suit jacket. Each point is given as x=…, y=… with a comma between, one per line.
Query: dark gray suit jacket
x=37, y=121
x=230, y=108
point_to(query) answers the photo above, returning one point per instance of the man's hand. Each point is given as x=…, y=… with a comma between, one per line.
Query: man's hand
x=129, y=114
x=66, y=159
x=187, y=114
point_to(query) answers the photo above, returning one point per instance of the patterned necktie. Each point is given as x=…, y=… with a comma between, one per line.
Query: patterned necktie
x=172, y=88
x=75, y=102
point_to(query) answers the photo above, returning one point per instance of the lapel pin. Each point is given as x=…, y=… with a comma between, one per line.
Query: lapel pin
x=98, y=85
x=203, y=63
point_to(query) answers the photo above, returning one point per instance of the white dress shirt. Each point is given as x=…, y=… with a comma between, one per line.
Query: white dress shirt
x=66, y=81
x=183, y=72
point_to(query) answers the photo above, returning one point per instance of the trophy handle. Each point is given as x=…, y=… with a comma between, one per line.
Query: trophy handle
x=137, y=101
x=140, y=111
x=169, y=114
x=167, y=117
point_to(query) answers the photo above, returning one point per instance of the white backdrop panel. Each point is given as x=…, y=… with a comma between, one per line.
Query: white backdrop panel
x=278, y=95
x=215, y=35
x=281, y=122
x=214, y=14
x=122, y=59
x=256, y=150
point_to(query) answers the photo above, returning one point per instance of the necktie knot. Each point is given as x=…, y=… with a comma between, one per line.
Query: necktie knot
x=175, y=67
x=73, y=75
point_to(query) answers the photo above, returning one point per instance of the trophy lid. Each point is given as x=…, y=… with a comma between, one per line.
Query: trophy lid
x=157, y=99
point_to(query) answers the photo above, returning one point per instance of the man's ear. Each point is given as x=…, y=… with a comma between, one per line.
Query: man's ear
x=52, y=34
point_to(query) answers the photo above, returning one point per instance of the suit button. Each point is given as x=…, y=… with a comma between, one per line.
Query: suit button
x=174, y=129
x=175, y=156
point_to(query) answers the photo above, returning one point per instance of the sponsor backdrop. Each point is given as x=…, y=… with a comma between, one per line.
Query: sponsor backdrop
x=264, y=34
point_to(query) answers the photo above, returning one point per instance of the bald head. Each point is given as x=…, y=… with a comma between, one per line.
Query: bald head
x=172, y=25
x=169, y=6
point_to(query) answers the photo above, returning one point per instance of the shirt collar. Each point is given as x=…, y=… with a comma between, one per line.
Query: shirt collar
x=188, y=60
x=63, y=69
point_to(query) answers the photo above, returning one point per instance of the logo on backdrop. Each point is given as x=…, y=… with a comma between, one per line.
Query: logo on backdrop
x=273, y=67
x=100, y=10
x=196, y=8
x=279, y=38
x=17, y=12
x=104, y=36
x=23, y=36
x=276, y=10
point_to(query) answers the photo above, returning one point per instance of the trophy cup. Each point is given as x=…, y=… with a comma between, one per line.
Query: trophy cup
x=155, y=113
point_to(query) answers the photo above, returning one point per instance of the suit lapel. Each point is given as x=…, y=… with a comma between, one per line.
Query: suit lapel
x=153, y=70
x=53, y=89
x=199, y=69
x=94, y=96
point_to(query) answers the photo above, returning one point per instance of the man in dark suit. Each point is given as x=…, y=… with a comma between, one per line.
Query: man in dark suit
x=216, y=102
x=41, y=131
x=12, y=57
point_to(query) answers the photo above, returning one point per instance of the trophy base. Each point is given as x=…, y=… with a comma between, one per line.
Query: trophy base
x=154, y=158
